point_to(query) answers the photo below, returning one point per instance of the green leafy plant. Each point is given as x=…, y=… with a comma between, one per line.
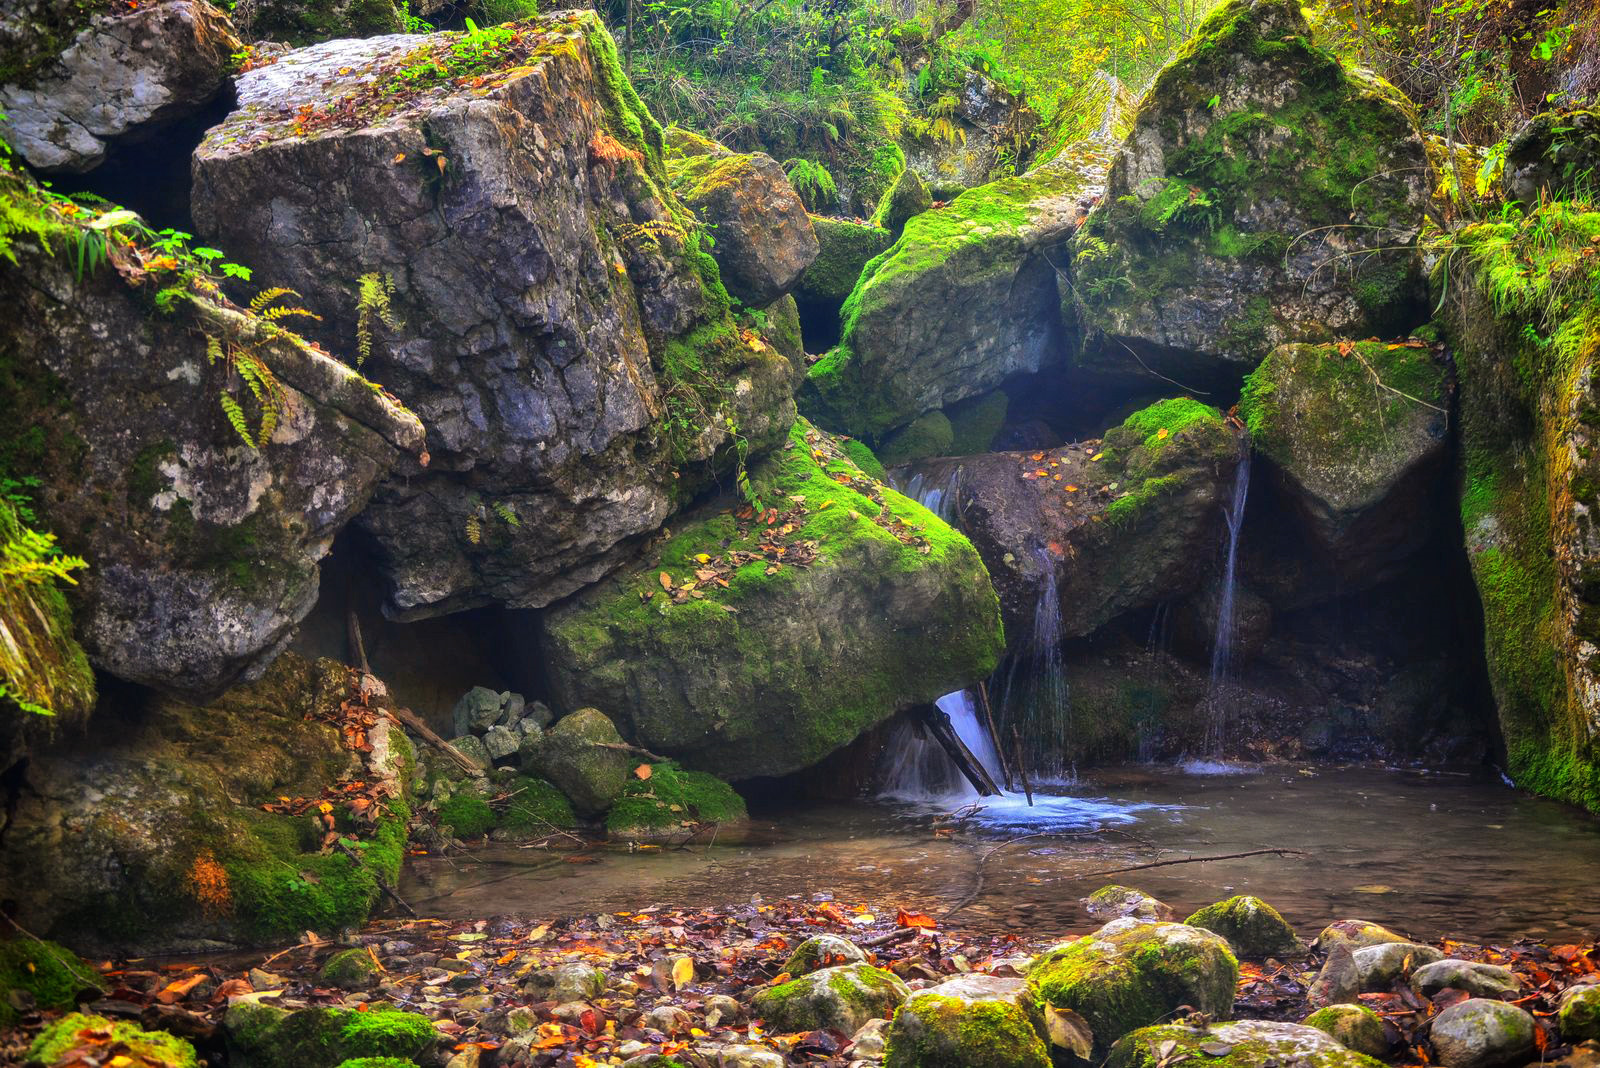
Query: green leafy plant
x=812, y=181
x=374, y=294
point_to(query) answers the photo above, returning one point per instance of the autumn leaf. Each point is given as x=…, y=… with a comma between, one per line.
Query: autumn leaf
x=1069, y=1031
x=666, y=580
x=1161, y=434
x=643, y=771
x=682, y=972
x=914, y=919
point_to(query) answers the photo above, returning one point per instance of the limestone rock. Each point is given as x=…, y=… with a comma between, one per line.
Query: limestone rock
x=1353, y=1027
x=544, y=290
x=304, y=22
x=1478, y=1033
x=573, y=757
x=1114, y=902
x=764, y=240
x=1478, y=979
x=477, y=711
x=156, y=840
x=204, y=550
x=985, y=114
x=791, y=659
x=822, y=951
x=501, y=742
x=974, y=1021
x=963, y=300
x=844, y=997
x=1360, y=461
x=1131, y=974
x=1111, y=524
x=121, y=79
x=1252, y=927
x=1248, y=206
x=1237, y=1044
x=844, y=249
x=1379, y=966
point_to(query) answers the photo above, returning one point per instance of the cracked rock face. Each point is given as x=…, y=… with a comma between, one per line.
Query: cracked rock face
x=120, y=79
x=551, y=322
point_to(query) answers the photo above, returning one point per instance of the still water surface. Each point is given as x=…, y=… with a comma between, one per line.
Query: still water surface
x=1432, y=854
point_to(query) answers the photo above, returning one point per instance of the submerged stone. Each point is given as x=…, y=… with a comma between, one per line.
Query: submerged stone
x=1114, y=902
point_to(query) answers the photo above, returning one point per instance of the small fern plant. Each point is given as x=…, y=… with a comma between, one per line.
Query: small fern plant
x=374, y=304
x=812, y=181
x=247, y=363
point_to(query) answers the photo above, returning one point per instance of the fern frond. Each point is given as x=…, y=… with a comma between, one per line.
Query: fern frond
x=474, y=529
x=236, y=419
x=506, y=514
x=267, y=296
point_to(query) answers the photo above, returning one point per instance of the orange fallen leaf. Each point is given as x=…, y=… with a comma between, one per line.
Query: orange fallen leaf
x=643, y=771
x=914, y=919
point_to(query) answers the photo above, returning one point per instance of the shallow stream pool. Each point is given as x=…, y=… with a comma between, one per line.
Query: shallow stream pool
x=1433, y=854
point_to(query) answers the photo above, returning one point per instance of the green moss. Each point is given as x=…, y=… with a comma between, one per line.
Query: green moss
x=671, y=798
x=845, y=248
x=326, y=1037
x=351, y=969
x=1580, y=1016
x=948, y=1032
x=154, y=1048
x=863, y=457
x=905, y=198
x=1249, y=1045
x=929, y=434
x=1252, y=927
x=52, y=974
x=466, y=817
x=535, y=808
x=378, y=1062
x=974, y=423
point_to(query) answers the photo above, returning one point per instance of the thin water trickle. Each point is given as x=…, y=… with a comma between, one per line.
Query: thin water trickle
x=1222, y=648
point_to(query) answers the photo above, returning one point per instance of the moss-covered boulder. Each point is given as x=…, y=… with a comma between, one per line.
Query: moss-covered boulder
x=190, y=827
x=1266, y=194
x=203, y=549
x=1354, y=1027
x=845, y=248
x=51, y=975
x=763, y=239
x=1579, y=1014
x=843, y=997
x=535, y=808
x=1555, y=154
x=1132, y=974
x=975, y=423
x=757, y=642
x=305, y=22
x=929, y=434
x=99, y=76
x=964, y=299
x=1112, y=522
x=76, y=1037
x=1252, y=927
x=582, y=756
x=512, y=263
x=1530, y=484
x=465, y=816
x=350, y=969
x=970, y=1022
x=1480, y=1033
x=908, y=196
x=1357, y=435
x=264, y=1036
x=1236, y=1044
x=46, y=683
x=673, y=802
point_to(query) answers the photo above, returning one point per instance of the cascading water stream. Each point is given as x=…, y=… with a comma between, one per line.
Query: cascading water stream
x=1222, y=647
x=1035, y=694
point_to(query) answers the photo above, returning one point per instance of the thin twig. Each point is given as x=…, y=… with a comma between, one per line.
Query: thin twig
x=1190, y=860
x=1158, y=374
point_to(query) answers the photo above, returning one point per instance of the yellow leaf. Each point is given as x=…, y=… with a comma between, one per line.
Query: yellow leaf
x=704, y=558
x=1097, y=456
x=643, y=771
x=399, y=157
x=1071, y=488
x=824, y=504
x=682, y=972
x=666, y=580
x=1162, y=433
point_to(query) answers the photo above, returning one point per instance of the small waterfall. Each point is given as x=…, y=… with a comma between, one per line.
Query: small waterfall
x=1222, y=648
x=936, y=495
x=1040, y=707
x=918, y=769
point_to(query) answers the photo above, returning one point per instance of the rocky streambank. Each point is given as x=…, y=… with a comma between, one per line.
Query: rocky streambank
x=822, y=982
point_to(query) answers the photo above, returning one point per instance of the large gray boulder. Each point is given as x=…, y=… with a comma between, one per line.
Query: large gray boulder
x=966, y=298
x=203, y=550
x=1112, y=525
x=763, y=239
x=1357, y=434
x=755, y=644
x=1266, y=194
x=583, y=756
x=551, y=314
x=1480, y=1033
x=116, y=79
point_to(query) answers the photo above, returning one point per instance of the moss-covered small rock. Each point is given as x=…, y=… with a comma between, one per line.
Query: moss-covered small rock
x=1237, y=1044
x=1353, y=1027
x=822, y=951
x=929, y=434
x=1355, y=934
x=350, y=969
x=843, y=997
x=908, y=196
x=378, y=1062
x=1580, y=1014
x=577, y=756
x=1479, y=1033
x=149, y=1049
x=535, y=808
x=261, y=1036
x=52, y=975
x=969, y=1022
x=466, y=817
x=1114, y=902
x=1252, y=927
x=671, y=801
x=575, y=981
x=1132, y=974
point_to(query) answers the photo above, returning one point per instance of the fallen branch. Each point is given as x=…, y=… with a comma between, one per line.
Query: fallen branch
x=624, y=747
x=904, y=934
x=1191, y=860
x=413, y=723
x=315, y=942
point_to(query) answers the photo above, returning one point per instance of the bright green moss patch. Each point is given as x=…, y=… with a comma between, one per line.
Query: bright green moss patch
x=351, y=969
x=466, y=817
x=266, y=1037
x=672, y=798
x=934, y=1031
x=863, y=457
x=845, y=248
x=929, y=434
x=536, y=807
x=52, y=974
x=1252, y=927
x=95, y=1033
